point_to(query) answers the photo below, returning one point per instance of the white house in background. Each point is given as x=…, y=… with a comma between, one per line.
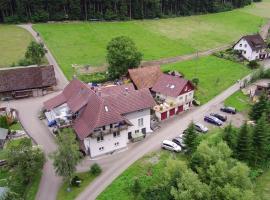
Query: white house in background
x=252, y=47
x=175, y=95
x=105, y=120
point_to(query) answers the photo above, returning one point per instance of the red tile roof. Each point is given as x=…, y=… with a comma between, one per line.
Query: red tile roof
x=115, y=89
x=131, y=101
x=145, y=77
x=100, y=110
x=170, y=85
x=75, y=94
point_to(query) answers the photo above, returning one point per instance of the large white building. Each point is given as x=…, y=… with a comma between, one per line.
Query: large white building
x=105, y=120
x=252, y=47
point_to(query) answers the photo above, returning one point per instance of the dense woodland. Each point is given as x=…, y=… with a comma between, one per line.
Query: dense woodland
x=13, y=11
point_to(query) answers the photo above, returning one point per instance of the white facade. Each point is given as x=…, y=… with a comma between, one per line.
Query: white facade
x=180, y=100
x=247, y=52
x=112, y=142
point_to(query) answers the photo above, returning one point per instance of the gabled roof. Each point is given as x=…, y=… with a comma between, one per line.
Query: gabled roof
x=97, y=113
x=256, y=42
x=23, y=78
x=76, y=94
x=115, y=89
x=170, y=85
x=131, y=101
x=145, y=77
x=100, y=110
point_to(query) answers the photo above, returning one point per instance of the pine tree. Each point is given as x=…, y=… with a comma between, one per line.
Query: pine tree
x=262, y=106
x=244, y=144
x=190, y=139
x=260, y=141
x=230, y=137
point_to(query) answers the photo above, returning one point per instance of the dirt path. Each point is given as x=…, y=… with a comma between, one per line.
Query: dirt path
x=184, y=57
x=265, y=30
x=60, y=77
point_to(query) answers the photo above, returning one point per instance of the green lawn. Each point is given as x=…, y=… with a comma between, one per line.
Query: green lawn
x=148, y=170
x=85, y=43
x=15, y=126
x=239, y=101
x=86, y=178
x=215, y=74
x=13, y=44
x=262, y=188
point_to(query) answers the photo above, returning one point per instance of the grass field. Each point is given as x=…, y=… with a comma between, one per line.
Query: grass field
x=262, y=188
x=86, y=178
x=239, y=101
x=85, y=43
x=13, y=44
x=215, y=74
x=148, y=170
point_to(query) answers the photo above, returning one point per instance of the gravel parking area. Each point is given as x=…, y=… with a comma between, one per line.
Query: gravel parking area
x=236, y=120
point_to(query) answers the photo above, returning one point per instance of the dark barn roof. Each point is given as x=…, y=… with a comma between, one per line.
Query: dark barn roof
x=23, y=78
x=256, y=42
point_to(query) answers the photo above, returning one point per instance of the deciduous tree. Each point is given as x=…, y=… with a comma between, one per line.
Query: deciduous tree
x=122, y=54
x=67, y=156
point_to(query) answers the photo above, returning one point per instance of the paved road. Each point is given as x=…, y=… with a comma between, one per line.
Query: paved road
x=28, y=113
x=60, y=77
x=114, y=165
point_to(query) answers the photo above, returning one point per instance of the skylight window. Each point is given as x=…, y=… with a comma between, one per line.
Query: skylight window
x=106, y=108
x=172, y=86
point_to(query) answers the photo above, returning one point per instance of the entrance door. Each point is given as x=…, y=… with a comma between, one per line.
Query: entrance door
x=172, y=112
x=180, y=109
x=164, y=115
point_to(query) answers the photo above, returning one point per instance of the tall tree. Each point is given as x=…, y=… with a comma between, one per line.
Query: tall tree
x=67, y=156
x=262, y=106
x=260, y=141
x=230, y=136
x=244, y=144
x=190, y=137
x=35, y=52
x=26, y=162
x=122, y=54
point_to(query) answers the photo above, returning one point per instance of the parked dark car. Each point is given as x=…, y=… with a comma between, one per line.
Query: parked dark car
x=219, y=116
x=213, y=120
x=230, y=110
x=179, y=141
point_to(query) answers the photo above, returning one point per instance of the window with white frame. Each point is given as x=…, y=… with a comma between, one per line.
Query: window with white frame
x=240, y=45
x=116, y=134
x=136, y=131
x=100, y=138
x=140, y=122
x=116, y=144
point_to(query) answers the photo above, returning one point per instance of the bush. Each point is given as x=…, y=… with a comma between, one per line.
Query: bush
x=95, y=169
x=13, y=19
x=196, y=81
x=40, y=16
x=76, y=181
x=253, y=64
x=99, y=77
x=136, y=187
x=24, y=62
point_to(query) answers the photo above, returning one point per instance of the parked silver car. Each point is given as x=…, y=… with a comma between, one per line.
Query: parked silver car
x=171, y=146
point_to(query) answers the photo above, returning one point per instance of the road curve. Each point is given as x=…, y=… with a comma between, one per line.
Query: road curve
x=60, y=77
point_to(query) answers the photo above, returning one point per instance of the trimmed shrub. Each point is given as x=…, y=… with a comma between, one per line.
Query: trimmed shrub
x=76, y=181
x=95, y=169
x=253, y=64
